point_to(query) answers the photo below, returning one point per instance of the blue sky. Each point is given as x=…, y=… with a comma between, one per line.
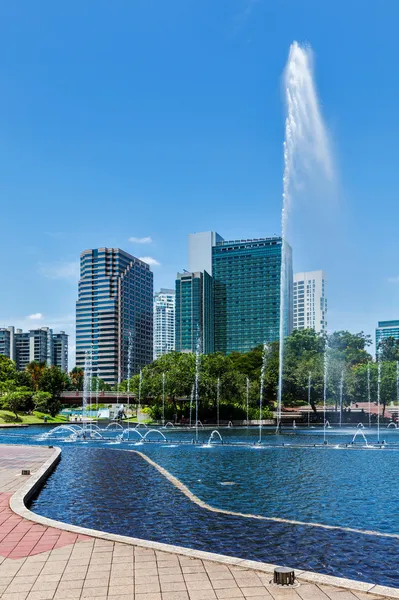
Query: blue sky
x=155, y=119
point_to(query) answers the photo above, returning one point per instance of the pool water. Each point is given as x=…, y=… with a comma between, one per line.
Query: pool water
x=98, y=486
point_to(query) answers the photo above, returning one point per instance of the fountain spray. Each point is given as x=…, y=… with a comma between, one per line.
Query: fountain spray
x=87, y=382
x=306, y=147
x=129, y=374
x=378, y=393
x=368, y=392
x=197, y=369
x=262, y=383
x=325, y=391
x=309, y=389
x=397, y=389
x=248, y=384
x=163, y=398
x=139, y=404
x=217, y=400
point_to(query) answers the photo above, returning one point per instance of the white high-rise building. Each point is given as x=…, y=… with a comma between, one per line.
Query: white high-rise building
x=310, y=301
x=164, y=322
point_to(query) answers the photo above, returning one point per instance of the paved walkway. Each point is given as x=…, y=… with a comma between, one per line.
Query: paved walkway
x=45, y=563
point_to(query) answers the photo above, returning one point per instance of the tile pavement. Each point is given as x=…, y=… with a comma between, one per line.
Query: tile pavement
x=44, y=563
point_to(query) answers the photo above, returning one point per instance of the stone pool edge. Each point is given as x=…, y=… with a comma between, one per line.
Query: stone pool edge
x=34, y=483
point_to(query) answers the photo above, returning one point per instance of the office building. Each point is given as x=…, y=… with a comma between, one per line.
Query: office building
x=194, y=312
x=60, y=350
x=164, y=322
x=115, y=305
x=310, y=301
x=385, y=330
x=40, y=345
x=244, y=276
x=247, y=277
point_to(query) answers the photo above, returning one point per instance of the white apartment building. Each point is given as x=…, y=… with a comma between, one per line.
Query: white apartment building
x=310, y=301
x=164, y=322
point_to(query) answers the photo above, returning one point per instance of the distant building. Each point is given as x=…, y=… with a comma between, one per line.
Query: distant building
x=164, y=322
x=385, y=330
x=60, y=350
x=310, y=301
x=194, y=312
x=34, y=345
x=7, y=342
x=115, y=304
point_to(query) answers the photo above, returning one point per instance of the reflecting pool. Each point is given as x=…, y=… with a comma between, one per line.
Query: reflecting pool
x=291, y=476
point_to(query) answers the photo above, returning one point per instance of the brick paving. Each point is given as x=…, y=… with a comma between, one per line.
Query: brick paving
x=45, y=563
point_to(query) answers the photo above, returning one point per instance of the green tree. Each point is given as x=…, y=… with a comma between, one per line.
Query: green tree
x=54, y=381
x=46, y=403
x=35, y=370
x=16, y=401
x=76, y=378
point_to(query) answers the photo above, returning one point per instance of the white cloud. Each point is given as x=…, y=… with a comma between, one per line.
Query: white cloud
x=60, y=270
x=140, y=240
x=150, y=261
x=394, y=279
x=35, y=317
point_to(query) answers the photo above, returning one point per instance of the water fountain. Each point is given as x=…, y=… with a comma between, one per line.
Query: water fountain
x=378, y=393
x=214, y=434
x=368, y=392
x=360, y=433
x=168, y=424
x=217, y=401
x=247, y=390
x=154, y=431
x=139, y=398
x=306, y=148
x=129, y=374
x=87, y=381
x=197, y=369
x=262, y=384
x=325, y=391
x=127, y=432
x=163, y=398
x=309, y=390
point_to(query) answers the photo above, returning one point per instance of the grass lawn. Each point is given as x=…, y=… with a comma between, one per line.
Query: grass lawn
x=36, y=417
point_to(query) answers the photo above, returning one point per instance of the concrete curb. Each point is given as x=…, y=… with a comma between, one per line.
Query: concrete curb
x=24, y=494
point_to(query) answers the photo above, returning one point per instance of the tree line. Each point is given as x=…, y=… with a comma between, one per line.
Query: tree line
x=235, y=378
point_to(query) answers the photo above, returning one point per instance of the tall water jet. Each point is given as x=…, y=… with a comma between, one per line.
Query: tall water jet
x=306, y=149
x=325, y=379
x=341, y=396
x=217, y=401
x=369, y=392
x=262, y=384
x=87, y=383
x=247, y=391
x=397, y=389
x=196, y=385
x=163, y=398
x=309, y=390
x=139, y=398
x=129, y=374
x=378, y=393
